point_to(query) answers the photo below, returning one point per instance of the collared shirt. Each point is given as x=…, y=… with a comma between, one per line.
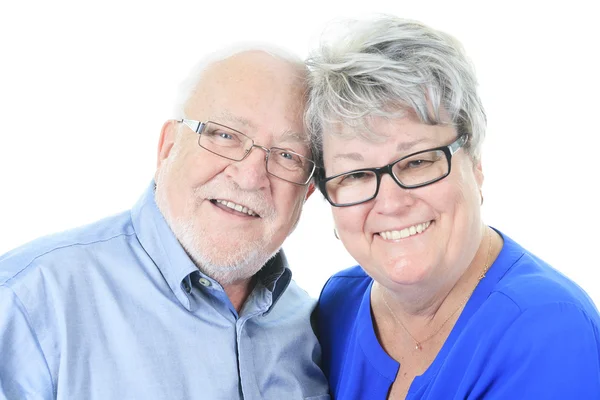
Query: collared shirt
x=117, y=310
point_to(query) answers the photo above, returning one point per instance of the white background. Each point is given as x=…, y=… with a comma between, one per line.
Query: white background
x=85, y=87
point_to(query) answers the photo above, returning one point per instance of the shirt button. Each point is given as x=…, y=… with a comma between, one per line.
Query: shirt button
x=187, y=287
x=204, y=282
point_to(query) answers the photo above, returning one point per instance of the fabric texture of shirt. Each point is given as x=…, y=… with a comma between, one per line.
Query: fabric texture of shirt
x=117, y=310
x=527, y=332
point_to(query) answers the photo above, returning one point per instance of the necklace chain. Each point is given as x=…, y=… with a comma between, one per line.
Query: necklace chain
x=419, y=343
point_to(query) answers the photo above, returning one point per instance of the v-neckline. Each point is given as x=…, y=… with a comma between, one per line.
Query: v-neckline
x=387, y=366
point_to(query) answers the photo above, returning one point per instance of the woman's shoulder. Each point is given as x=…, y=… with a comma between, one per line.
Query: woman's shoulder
x=346, y=283
x=531, y=283
x=349, y=274
x=343, y=294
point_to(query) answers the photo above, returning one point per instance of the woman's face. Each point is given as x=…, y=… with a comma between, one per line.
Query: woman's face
x=449, y=209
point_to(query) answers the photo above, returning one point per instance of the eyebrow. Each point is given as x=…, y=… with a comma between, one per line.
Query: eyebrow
x=349, y=156
x=402, y=147
x=225, y=114
x=409, y=145
x=287, y=135
x=294, y=136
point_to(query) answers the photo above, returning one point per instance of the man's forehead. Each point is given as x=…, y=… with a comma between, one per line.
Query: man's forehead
x=254, y=66
x=227, y=116
x=249, y=128
x=253, y=92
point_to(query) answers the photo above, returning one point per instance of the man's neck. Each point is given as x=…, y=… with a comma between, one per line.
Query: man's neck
x=238, y=292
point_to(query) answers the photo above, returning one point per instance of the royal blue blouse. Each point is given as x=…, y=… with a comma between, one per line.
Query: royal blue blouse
x=527, y=332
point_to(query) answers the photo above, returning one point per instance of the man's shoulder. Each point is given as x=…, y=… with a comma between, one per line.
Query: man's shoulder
x=63, y=248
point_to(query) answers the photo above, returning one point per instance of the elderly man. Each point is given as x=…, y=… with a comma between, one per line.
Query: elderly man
x=187, y=295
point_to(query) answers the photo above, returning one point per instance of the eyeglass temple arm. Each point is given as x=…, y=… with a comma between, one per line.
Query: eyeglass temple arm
x=196, y=126
x=458, y=143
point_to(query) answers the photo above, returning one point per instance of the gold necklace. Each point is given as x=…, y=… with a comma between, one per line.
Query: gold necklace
x=419, y=343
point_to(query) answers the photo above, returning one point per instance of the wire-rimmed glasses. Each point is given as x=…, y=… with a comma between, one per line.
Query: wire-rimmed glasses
x=234, y=145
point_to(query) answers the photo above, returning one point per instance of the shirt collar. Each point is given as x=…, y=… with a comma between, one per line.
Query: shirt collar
x=275, y=276
x=160, y=243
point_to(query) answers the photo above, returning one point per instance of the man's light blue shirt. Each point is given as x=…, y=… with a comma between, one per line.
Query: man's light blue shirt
x=117, y=310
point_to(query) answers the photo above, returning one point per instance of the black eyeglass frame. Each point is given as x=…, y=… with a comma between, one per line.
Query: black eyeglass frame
x=448, y=151
x=198, y=127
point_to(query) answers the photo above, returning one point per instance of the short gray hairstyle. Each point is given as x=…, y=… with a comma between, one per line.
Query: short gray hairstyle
x=189, y=85
x=385, y=67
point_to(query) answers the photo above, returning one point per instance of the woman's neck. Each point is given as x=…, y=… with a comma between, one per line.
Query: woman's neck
x=422, y=308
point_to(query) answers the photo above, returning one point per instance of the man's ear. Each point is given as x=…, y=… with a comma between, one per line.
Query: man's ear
x=166, y=141
x=311, y=189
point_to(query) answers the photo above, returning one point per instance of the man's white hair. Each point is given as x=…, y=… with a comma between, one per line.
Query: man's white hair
x=189, y=85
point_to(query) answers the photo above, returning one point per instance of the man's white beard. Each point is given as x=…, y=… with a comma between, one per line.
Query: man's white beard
x=225, y=265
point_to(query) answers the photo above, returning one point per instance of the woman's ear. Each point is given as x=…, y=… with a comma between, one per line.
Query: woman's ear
x=478, y=173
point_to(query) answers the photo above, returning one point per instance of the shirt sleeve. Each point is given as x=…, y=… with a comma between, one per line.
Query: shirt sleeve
x=548, y=352
x=24, y=372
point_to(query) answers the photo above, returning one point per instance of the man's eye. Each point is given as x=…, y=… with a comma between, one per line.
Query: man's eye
x=225, y=135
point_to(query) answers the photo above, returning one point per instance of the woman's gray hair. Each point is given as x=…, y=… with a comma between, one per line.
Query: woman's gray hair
x=386, y=67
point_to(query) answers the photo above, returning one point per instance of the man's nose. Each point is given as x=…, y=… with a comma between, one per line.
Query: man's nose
x=251, y=172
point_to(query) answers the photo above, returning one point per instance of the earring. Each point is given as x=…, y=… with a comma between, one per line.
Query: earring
x=336, y=234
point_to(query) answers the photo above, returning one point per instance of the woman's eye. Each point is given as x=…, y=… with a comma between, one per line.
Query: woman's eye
x=416, y=163
x=354, y=177
x=357, y=175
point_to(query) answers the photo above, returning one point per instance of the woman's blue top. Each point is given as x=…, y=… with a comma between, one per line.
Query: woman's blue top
x=527, y=332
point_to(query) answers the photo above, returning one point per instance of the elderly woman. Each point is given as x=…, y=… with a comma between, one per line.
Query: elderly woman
x=442, y=306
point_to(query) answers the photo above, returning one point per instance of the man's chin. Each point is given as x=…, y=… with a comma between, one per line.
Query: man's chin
x=231, y=268
x=228, y=257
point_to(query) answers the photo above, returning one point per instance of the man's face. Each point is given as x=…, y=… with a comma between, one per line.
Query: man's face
x=198, y=192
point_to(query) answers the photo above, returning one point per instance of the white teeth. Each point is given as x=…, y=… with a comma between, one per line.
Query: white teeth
x=406, y=232
x=237, y=207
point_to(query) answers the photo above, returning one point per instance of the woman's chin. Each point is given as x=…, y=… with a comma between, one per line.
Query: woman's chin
x=401, y=271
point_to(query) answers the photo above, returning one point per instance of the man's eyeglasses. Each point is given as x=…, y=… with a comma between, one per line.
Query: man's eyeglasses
x=413, y=171
x=234, y=145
